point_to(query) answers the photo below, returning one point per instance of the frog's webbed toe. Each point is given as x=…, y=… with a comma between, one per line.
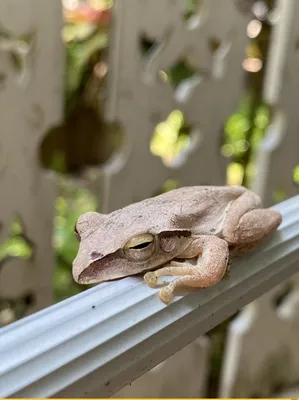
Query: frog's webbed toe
x=209, y=269
x=151, y=279
x=166, y=294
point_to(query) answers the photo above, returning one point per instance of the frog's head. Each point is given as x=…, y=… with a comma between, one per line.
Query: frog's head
x=126, y=242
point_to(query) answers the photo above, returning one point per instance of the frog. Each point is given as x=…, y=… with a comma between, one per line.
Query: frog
x=191, y=233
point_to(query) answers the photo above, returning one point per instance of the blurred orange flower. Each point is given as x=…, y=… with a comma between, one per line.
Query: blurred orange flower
x=86, y=14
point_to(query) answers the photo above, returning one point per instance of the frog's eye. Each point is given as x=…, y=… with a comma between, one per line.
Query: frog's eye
x=140, y=247
x=140, y=242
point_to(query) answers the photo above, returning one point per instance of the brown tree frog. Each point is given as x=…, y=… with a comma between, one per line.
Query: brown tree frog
x=190, y=232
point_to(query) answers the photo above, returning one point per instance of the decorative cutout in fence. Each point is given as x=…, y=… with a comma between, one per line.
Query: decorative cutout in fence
x=174, y=139
x=20, y=53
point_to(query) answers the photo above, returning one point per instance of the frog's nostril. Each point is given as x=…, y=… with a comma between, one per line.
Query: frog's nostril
x=94, y=255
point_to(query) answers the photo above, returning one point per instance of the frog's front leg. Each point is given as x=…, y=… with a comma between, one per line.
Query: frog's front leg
x=210, y=268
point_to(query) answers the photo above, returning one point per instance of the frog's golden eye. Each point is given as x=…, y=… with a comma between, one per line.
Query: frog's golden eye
x=140, y=247
x=140, y=241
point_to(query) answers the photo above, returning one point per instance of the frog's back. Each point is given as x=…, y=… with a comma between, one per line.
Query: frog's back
x=198, y=208
x=200, y=194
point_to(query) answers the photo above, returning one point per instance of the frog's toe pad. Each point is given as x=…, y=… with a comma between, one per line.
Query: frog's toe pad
x=151, y=279
x=166, y=295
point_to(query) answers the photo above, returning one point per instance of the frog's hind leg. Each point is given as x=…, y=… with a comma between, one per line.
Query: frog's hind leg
x=252, y=228
x=247, y=223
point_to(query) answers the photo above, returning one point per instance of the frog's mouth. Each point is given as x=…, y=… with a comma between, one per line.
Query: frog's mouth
x=111, y=268
x=115, y=266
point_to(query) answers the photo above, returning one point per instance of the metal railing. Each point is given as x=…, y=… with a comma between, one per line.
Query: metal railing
x=95, y=343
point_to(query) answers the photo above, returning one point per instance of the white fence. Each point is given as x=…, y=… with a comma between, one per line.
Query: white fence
x=78, y=350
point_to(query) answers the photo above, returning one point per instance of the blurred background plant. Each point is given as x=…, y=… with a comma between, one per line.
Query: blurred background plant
x=85, y=35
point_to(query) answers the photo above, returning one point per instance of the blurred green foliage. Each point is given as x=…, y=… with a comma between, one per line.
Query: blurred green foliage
x=17, y=245
x=181, y=71
x=237, y=140
x=171, y=137
x=70, y=204
x=83, y=45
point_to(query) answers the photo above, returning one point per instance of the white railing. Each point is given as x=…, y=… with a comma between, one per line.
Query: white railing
x=95, y=343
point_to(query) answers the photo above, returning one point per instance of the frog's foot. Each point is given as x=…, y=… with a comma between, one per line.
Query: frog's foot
x=209, y=269
x=166, y=294
x=175, y=269
x=186, y=272
x=151, y=279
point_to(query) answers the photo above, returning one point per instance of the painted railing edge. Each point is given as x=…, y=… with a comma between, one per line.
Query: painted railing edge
x=95, y=343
